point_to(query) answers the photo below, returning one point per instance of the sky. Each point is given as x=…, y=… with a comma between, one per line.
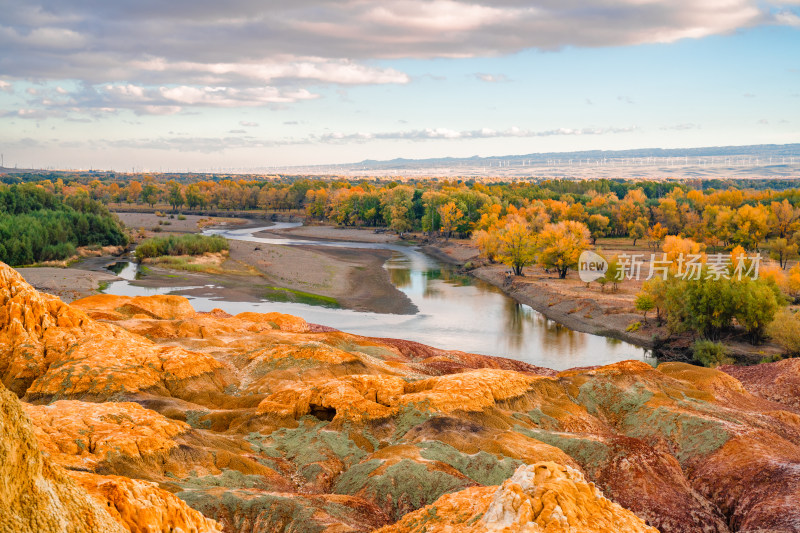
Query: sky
x=204, y=85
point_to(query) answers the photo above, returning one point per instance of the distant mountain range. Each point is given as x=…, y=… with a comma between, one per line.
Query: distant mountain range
x=754, y=150
x=759, y=160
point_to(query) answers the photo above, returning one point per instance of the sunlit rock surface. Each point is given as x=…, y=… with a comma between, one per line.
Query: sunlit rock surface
x=263, y=422
x=542, y=497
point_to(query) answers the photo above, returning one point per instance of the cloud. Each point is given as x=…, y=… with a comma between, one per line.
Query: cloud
x=450, y=134
x=483, y=133
x=681, y=127
x=492, y=78
x=214, y=144
x=194, y=53
x=332, y=42
x=248, y=124
x=111, y=98
x=6, y=87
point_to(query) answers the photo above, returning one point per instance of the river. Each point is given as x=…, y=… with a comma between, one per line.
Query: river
x=456, y=312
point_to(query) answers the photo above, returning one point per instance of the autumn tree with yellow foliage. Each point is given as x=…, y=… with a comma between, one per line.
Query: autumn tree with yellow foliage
x=516, y=244
x=450, y=215
x=560, y=245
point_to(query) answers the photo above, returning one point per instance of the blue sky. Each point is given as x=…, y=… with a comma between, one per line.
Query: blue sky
x=196, y=86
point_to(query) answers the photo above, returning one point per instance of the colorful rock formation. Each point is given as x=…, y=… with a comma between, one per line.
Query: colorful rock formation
x=538, y=498
x=262, y=422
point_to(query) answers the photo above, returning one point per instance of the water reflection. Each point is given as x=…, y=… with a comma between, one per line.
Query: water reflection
x=400, y=276
x=455, y=312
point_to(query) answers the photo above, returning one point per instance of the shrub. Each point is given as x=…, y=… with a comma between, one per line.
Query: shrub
x=785, y=331
x=634, y=326
x=181, y=217
x=710, y=353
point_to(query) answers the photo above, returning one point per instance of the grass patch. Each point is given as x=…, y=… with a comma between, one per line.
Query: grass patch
x=184, y=263
x=281, y=294
x=180, y=245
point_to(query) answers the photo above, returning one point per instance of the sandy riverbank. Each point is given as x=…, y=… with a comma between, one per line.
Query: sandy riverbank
x=332, y=233
x=69, y=284
x=190, y=224
x=353, y=278
x=588, y=309
x=571, y=303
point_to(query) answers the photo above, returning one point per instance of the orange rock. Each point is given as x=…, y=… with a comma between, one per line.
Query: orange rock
x=80, y=434
x=167, y=307
x=141, y=507
x=36, y=497
x=469, y=391
x=542, y=497
x=48, y=348
x=283, y=414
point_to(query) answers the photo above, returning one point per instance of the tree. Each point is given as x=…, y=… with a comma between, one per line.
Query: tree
x=645, y=303
x=516, y=244
x=488, y=243
x=133, y=191
x=193, y=196
x=150, y=194
x=560, y=245
x=785, y=330
x=783, y=217
x=677, y=249
x=752, y=226
x=782, y=250
x=450, y=215
x=703, y=306
x=598, y=226
x=637, y=229
x=708, y=307
x=613, y=274
x=656, y=234
x=758, y=302
x=175, y=195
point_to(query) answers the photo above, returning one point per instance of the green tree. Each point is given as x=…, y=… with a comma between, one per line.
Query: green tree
x=645, y=303
x=194, y=198
x=149, y=194
x=598, y=227
x=175, y=195
x=758, y=302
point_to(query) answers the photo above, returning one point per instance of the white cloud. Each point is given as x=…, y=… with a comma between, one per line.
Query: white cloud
x=163, y=57
x=333, y=42
x=238, y=141
x=317, y=69
x=450, y=134
x=492, y=78
x=110, y=98
x=681, y=127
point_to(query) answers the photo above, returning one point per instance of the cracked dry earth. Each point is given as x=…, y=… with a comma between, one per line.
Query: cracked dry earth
x=142, y=415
